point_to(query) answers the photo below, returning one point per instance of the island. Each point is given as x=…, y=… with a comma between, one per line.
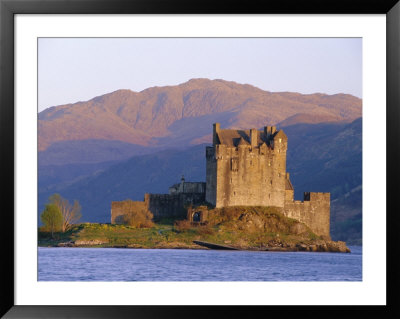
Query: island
x=246, y=203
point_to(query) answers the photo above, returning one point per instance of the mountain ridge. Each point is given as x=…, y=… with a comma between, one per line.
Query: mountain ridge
x=151, y=116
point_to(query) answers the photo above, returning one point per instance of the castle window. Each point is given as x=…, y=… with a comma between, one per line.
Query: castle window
x=280, y=140
x=234, y=164
x=269, y=196
x=271, y=181
x=269, y=163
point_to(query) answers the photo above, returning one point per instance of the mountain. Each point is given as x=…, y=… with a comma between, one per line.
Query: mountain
x=328, y=158
x=165, y=117
x=130, y=179
x=321, y=157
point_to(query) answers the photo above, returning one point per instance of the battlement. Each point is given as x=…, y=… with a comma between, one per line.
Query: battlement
x=314, y=211
x=315, y=196
x=252, y=138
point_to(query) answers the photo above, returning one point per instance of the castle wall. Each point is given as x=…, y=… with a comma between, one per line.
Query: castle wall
x=289, y=195
x=188, y=187
x=160, y=205
x=198, y=214
x=172, y=206
x=211, y=176
x=246, y=175
x=314, y=211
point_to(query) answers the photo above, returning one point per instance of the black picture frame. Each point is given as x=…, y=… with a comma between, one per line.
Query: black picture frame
x=8, y=8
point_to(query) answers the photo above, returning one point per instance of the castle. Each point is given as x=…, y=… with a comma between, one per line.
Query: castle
x=243, y=168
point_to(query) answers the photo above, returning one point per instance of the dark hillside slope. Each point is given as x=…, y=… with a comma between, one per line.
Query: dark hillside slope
x=131, y=179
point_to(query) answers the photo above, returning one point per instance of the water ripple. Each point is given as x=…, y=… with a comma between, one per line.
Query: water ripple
x=115, y=264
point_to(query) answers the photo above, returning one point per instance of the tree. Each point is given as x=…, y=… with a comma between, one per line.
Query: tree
x=52, y=218
x=71, y=213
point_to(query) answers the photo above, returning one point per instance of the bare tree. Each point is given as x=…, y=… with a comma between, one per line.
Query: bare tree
x=71, y=213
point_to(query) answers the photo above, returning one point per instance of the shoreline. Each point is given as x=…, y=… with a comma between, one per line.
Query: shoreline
x=264, y=230
x=327, y=247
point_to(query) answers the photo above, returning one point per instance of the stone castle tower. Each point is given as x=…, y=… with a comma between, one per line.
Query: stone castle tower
x=248, y=168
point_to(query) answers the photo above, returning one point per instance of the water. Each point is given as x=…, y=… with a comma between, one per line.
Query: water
x=119, y=264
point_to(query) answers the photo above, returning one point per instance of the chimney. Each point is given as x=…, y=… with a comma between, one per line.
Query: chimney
x=253, y=137
x=267, y=132
x=216, y=127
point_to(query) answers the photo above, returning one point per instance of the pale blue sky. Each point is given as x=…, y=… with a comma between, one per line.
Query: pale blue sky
x=78, y=69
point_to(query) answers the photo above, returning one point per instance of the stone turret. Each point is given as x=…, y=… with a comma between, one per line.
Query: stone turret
x=242, y=168
x=248, y=168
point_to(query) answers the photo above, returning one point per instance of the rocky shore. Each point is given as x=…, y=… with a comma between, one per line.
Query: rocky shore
x=320, y=246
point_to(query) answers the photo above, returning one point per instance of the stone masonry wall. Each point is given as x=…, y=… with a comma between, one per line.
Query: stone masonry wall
x=314, y=211
x=211, y=176
x=160, y=205
x=246, y=175
x=172, y=206
x=188, y=187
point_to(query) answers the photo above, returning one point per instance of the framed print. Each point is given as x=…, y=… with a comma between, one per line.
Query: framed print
x=165, y=125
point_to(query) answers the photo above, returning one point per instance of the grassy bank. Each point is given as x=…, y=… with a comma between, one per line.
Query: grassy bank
x=253, y=228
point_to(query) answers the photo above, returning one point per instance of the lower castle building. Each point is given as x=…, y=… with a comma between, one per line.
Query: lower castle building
x=172, y=205
x=243, y=168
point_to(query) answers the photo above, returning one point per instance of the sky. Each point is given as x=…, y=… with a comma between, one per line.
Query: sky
x=79, y=69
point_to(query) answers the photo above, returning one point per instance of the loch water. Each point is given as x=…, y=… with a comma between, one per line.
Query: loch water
x=121, y=264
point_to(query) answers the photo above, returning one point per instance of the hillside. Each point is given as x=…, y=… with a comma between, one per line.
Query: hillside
x=321, y=157
x=328, y=158
x=177, y=115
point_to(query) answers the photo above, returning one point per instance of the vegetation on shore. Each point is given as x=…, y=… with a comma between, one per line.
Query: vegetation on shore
x=59, y=215
x=250, y=228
